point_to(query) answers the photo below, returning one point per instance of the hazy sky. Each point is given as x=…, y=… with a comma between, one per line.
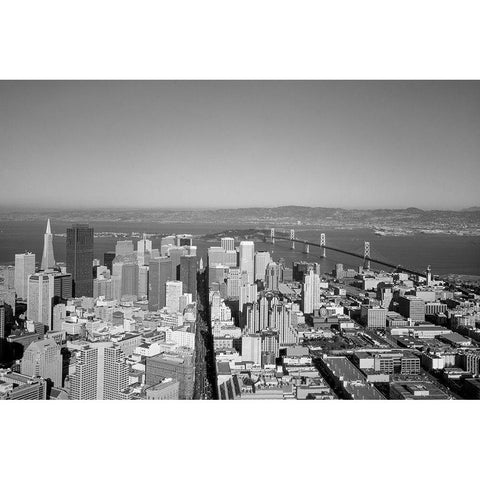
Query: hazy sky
x=228, y=144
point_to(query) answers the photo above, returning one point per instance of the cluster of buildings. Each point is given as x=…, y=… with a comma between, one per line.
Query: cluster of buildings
x=120, y=329
x=361, y=334
x=127, y=326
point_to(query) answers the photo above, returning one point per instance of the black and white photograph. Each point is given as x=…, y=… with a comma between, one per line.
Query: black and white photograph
x=209, y=203
x=240, y=240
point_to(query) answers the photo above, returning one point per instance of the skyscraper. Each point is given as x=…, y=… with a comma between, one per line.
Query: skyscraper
x=24, y=266
x=160, y=273
x=262, y=259
x=311, y=292
x=227, y=243
x=173, y=294
x=2, y=321
x=144, y=248
x=273, y=276
x=80, y=259
x=42, y=358
x=48, y=260
x=247, y=251
x=40, y=299
x=188, y=274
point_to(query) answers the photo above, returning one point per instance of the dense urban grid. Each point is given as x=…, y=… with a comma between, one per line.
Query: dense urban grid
x=146, y=323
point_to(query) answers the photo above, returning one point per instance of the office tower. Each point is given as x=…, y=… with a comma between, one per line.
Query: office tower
x=62, y=286
x=40, y=299
x=217, y=274
x=48, y=260
x=311, y=292
x=412, y=307
x=129, y=283
x=24, y=266
x=175, y=254
x=83, y=382
x=103, y=287
x=124, y=247
x=216, y=256
x=287, y=275
x=2, y=321
x=108, y=258
x=250, y=318
x=144, y=249
x=233, y=283
x=184, y=239
x=247, y=251
x=80, y=259
x=115, y=374
x=248, y=294
x=252, y=348
x=179, y=366
x=173, y=292
x=262, y=259
x=284, y=319
x=188, y=274
x=143, y=281
x=159, y=274
x=42, y=358
x=227, y=243
x=101, y=372
x=273, y=276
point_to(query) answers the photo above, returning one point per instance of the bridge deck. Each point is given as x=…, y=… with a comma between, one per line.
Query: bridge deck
x=353, y=254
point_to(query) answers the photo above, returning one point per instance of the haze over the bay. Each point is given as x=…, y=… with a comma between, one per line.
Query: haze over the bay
x=240, y=144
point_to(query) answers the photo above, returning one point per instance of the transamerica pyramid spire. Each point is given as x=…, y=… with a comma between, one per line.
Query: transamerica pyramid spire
x=48, y=260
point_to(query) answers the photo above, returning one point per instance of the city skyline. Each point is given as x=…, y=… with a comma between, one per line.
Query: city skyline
x=416, y=141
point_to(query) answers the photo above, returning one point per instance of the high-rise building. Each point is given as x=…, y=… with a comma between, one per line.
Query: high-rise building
x=80, y=259
x=273, y=276
x=108, y=258
x=175, y=254
x=252, y=348
x=40, y=299
x=143, y=281
x=216, y=256
x=247, y=264
x=42, y=358
x=173, y=292
x=101, y=372
x=188, y=274
x=262, y=259
x=124, y=247
x=311, y=292
x=129, y=284
x=2, y=322
x=412, y=307
x=248, y=294
x=227, y=243
x=62, y=286
x=24, y=266
x=160, y=272
x=144, y=249
x=234, y=281
x=48, y=260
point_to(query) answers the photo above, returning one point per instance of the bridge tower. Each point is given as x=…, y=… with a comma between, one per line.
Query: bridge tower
x=322, y=245
x=292, y=238
x=272, y=235
x=366, y=256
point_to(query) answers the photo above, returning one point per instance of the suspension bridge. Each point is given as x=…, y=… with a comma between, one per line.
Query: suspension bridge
x=366, y=257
